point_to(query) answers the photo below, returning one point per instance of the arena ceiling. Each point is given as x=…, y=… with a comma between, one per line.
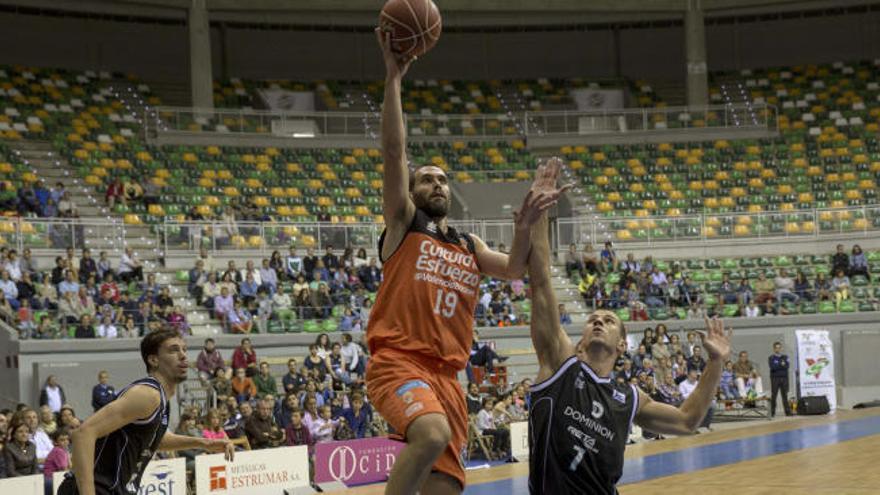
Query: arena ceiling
x=457, y=13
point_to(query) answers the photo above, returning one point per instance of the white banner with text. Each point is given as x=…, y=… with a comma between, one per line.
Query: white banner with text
x=254, y=472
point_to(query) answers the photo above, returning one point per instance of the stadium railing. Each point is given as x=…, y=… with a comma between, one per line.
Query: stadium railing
x=318, y=126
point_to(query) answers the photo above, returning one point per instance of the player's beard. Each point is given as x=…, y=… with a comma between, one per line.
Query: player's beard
x=434, y=209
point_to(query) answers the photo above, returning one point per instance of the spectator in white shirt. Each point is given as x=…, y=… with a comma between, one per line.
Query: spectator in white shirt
x=130, y=267
x=12, y=266
x=322, y=428
x=10, y=290
x=752, y=310
x=687, y=386
x=486, y=426
x=249, y=268
x=107, y=330
x=37, y=436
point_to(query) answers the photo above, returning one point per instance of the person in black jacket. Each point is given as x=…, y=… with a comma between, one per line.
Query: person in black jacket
x=779, y=378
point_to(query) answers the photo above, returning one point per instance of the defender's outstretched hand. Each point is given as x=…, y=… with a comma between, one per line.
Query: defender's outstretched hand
x=716, y=340
x=395, y=65
x=543, y=194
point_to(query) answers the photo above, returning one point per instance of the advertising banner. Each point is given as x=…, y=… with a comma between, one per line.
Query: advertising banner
x=519, y=440
x=288, y=101
x=356, y=462
x=162, y=477
x=254, y=472
x=815, y=364
x=22, y=485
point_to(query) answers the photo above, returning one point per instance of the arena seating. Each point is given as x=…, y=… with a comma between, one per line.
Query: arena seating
x=827, y=156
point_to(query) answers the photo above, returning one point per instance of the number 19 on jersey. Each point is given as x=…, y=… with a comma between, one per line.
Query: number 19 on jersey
x=445, y=303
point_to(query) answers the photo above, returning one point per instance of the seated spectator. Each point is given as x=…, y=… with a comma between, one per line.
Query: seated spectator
x=115, y=193
x=248, y=288
x=197, y=279
x=187, y=427
x=19, y=453
x=209, y=360
x=858, y=263
x=213, y=428
x=752, y=310
x=357, y=416
x=802, y=287
x=132, y=190
x=769, y=308
x=696, y=361
x=240, y=319
x=574, y=263
x=244, y=356
x=486, y=426
x=822, y=288
x=764, y=289
x=67, y=207
x=265, y=382
x=67, y=418
x=608, y=259
x=10, y=290
x=322, y=302
x=58, y=459
x=840, y=260
x=261, y=430
x=85, y=329
x=727, y=386
x=785, y=288
x=177, y=321
x=840, y=287
x=268, y=277
x=224, y=306
x=370, y=275
x=316, y=364
x=742, y=370
x=130, y=268
x=727, y=292
x=323, y=427
x=104, y=266
x=296, y=432
x=564, y=317
x=221, y=385
x=474, y=399
x=107, y=330
x=243, y=387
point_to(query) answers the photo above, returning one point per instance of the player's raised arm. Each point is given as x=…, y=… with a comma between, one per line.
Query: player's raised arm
x=397, y=207
x=137, y=403
x=664, y=418
x=552, y=344
x=542, y=195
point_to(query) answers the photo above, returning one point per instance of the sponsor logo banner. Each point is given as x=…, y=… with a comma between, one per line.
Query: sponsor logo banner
x=356, y=462
x=519, y=440
x=255, y=472
x=815, y=362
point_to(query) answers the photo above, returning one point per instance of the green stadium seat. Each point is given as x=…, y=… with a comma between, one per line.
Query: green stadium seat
x=730, y=310
x=808, y=307
x=826, y=307
x=859, y=281
x=866, y=306
x=330, y=325
x=623, y=314
x=311, y=326
x=847, y=306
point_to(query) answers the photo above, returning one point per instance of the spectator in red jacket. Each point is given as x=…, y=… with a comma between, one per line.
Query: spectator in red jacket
x=245, y=357
x=209, y=361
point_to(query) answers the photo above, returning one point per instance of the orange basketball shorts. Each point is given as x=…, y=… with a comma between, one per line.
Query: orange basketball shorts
x=403, y=387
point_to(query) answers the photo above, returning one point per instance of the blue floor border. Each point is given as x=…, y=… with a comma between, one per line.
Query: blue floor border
x=640, y=469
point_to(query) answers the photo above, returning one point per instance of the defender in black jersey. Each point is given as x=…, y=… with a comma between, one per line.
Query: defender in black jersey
x=580, y=419
x=112, y=448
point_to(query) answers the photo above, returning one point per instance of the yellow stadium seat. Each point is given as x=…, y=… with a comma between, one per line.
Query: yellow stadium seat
x=742, y=230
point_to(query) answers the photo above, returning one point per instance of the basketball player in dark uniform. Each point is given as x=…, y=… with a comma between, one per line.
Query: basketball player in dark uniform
x=112, y=447
x=580, y=419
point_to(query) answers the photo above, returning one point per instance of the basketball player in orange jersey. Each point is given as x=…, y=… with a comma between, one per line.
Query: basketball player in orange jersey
x=580, y=418
x=421, y=326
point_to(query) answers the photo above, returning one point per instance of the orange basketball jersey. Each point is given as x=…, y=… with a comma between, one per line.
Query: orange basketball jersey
x=429, y=291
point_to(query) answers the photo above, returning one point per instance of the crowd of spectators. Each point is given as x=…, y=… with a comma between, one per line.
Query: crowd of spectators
x=37, y=200
x=606, y=281
x=84, y=297
x=296, y=286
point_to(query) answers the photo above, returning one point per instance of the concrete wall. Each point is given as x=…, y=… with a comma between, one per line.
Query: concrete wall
x=159, y=51
x=76, y=363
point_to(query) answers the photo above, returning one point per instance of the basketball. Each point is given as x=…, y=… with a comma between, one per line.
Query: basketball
x=415, y=25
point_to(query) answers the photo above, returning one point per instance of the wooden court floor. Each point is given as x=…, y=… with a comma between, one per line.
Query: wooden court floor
x=848, y=466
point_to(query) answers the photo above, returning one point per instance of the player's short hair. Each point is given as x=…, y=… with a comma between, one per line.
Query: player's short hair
x=151, y=343
x=412, y=174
